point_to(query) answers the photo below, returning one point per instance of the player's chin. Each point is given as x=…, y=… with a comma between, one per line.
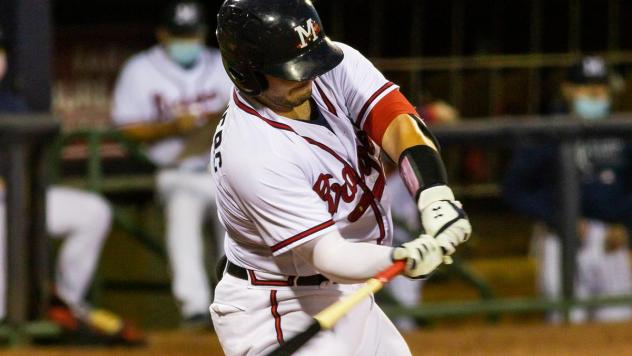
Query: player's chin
x=299, y=98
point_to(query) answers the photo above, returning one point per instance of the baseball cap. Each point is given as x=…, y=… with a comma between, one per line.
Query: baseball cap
x=589, y=70
x=184, y=18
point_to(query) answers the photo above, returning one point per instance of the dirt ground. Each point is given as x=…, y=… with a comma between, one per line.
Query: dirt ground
x=532, y=339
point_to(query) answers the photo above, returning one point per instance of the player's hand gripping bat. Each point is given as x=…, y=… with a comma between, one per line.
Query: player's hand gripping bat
x=327, y=318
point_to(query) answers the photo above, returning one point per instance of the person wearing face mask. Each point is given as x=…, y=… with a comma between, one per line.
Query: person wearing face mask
x=530, y=187
x=170, y=97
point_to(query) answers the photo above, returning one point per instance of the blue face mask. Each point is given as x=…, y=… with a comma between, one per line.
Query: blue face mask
x=184, y=53
x=591, y=109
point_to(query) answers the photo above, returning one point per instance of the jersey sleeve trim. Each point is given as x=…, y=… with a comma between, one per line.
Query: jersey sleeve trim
x=299, y=238
x=383, y=90
x=328, y=103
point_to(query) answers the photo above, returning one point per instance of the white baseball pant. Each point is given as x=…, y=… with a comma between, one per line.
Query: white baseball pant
x=83, y=220
x=189, y=199
x=253, y=320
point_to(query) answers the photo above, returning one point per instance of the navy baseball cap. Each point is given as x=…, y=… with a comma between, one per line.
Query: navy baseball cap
x=183, y=18
x=590, y=70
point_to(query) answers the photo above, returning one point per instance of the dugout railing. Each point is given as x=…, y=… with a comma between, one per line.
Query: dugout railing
x=499, y=132
x=92, y=176
x=509, y=131
x=489, y=133
x=415, y=68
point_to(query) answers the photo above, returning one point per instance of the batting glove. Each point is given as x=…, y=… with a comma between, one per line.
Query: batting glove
x=423, y=255
x=443, y=218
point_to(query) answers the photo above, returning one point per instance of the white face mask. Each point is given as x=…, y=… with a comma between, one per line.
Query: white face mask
x=589, y=108
x=184, y=53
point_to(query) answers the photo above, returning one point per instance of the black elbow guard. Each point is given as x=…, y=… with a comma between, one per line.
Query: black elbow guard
x=421, y=168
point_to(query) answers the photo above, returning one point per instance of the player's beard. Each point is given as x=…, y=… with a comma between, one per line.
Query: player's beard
x=294, y=98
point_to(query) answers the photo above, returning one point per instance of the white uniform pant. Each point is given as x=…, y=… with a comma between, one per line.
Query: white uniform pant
x=83, y=219
x=599, y=274
x=252, y=320
x=189, y=199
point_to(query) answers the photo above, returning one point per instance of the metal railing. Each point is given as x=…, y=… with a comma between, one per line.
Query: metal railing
x=508, y=131
x=417, y=65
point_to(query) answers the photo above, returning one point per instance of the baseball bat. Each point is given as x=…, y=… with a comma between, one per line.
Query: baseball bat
x=327, y=318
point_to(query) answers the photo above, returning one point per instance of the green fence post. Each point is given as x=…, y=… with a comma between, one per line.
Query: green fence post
x=95, y=171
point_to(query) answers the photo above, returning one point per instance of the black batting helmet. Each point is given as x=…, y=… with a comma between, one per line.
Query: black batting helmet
x=281, y=38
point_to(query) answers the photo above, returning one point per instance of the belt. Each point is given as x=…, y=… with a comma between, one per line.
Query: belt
x=242, y=273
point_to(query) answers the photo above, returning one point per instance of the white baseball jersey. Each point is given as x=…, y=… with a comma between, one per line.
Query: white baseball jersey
x=283, y=182
x=153, y=88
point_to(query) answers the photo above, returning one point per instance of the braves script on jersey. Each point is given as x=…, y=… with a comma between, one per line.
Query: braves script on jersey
x=283, y=182
x=153, y=88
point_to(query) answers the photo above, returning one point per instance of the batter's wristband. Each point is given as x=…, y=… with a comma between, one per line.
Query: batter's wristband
x=421, y=168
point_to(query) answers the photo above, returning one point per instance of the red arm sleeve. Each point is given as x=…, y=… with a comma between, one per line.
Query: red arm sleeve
x=384, y=112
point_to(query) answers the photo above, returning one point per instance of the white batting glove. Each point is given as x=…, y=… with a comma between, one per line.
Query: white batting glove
x=423, y=255
x=444, y=218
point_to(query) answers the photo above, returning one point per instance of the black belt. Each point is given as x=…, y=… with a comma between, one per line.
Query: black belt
x=242, y=273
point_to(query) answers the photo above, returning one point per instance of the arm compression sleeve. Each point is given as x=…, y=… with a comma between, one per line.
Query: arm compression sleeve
x=343, y=261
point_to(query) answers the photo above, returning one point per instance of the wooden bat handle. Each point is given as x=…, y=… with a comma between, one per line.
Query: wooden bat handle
x=391, y=272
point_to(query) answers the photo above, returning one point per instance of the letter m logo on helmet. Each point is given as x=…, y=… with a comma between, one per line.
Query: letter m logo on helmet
x=310, y=32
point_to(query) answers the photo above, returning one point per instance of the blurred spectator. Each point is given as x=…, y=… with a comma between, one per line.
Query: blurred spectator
x=531, y=185
x=434, y=110
x=83, y=220
x=170, y=97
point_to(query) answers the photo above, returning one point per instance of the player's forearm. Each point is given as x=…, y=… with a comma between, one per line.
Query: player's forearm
x=403, y=133
x=343, y=261
x=420, y=164
x=186, y=124
x=149, y=132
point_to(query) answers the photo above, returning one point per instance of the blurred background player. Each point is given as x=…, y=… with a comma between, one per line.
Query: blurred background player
x=170, y=97
x=606, y=202
x=83, y=220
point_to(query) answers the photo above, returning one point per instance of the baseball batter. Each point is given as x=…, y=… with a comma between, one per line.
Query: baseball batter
x=168, y=96
x=300, y=184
